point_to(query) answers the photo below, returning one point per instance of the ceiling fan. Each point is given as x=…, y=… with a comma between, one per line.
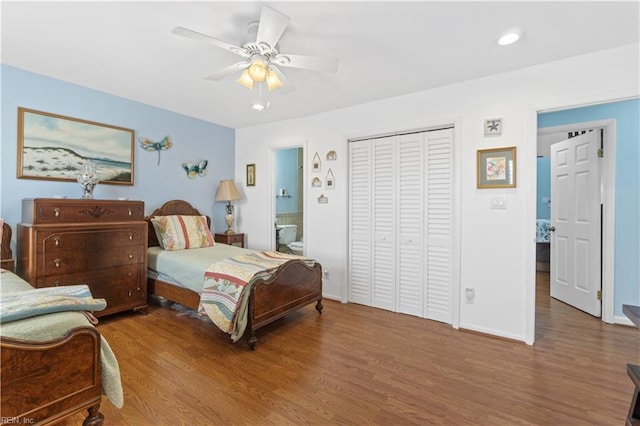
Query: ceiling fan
x=261, y=57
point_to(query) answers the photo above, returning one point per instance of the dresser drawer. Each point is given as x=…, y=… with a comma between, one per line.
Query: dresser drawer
x=53, y=210
x=56, y=262
x=89, y=240
x=120, y=286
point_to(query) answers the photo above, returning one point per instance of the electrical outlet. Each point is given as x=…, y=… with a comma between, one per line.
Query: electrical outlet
x=469, y=295
x=325, y=273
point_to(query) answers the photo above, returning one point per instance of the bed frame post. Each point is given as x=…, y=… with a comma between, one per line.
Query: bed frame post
x=95, y=417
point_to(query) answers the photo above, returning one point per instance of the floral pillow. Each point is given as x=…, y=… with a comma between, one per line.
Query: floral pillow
x=182, y=232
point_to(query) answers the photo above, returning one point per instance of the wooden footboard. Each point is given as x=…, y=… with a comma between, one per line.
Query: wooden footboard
x=44, y=382
x=292, y=287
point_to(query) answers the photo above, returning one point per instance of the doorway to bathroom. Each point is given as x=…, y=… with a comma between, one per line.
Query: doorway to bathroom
x=289, y=211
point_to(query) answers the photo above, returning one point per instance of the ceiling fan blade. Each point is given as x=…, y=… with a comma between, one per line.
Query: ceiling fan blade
x=272, y=25
x=287, y=87
x=317, y=63
x=231, y=69
x=185, y=32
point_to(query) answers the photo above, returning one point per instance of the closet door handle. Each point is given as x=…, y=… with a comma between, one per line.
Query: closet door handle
x=552, y=228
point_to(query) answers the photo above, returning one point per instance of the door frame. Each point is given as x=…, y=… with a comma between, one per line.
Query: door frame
x=608, y=217
x=274, y=190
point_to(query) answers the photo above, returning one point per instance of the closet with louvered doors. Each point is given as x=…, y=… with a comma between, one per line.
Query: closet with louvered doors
x=401, y=223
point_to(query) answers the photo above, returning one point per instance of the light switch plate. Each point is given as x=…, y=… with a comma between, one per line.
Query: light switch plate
x=498, y=202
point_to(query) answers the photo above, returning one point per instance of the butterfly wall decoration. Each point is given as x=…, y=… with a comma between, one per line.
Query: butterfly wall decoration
x=197, y=169
x=163, y=145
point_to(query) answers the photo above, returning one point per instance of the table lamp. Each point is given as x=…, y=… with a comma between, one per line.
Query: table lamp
x=228, y=192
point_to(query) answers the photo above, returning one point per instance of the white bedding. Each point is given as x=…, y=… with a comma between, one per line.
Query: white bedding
x=186, y=267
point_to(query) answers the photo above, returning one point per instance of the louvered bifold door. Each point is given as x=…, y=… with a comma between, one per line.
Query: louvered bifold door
x=410, y=208
x=383, y=220
x=360, y=222
x=438, y=258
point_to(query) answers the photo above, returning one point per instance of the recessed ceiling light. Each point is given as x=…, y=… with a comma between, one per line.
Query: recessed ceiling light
x=509, y=38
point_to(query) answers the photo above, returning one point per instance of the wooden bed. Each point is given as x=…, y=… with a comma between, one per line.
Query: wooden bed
x=292, y=287
x=43, y=382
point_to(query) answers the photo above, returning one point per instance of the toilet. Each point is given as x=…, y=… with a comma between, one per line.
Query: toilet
x=287, y=237
x=296, y=247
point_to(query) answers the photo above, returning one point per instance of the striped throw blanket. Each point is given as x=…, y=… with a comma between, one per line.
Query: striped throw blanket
x=227, y=284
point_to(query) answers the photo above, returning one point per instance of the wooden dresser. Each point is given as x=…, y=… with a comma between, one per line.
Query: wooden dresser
x=101, y=243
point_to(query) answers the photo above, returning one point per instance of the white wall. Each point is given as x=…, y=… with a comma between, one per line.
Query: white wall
x=496, y=247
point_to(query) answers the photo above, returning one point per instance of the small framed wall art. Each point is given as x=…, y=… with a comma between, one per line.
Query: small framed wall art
x=493, y=127
x=315, y=164
x=251, y=175
x=497, y=168
x=330, y=180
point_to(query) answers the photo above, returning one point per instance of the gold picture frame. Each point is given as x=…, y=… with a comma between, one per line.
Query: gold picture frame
x=497, y=168
x=251, y=175
x=53, y=147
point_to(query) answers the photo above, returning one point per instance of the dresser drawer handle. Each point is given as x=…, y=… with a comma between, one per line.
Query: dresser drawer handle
x=130, y=255
x=130, y=292
x=56, y=212
x=130, y=237
x=56, y=283
x=130, y=212
x=56, y=241
x=57, y=263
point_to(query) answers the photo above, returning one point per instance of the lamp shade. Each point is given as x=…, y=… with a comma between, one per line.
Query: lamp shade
x=227, y=191
x=245, y=80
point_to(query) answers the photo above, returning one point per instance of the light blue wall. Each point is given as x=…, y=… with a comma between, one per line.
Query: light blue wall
x=193, y=139
x=627, y=232
x=287, y=177
x=543, y=211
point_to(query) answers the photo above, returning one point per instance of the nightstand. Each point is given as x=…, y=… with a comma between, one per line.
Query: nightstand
x=231, y=239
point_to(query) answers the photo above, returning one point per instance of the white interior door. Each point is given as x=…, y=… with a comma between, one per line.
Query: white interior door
x=576, y=222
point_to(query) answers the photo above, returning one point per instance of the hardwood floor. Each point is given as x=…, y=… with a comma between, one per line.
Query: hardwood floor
x=363, y=366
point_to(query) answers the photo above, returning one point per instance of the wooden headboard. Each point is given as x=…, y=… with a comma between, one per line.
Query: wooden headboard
x=170, y=208
x=6, y=253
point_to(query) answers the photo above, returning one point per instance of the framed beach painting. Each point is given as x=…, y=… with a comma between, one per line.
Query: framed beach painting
x=497, y=168
x=54, y=147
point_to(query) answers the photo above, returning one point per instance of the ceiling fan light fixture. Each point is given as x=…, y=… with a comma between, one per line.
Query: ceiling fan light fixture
x=245, y=80
x=273, y=81
x=259, y=107
x=258, y=71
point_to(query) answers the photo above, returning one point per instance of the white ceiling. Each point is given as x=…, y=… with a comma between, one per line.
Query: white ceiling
x=386, y=49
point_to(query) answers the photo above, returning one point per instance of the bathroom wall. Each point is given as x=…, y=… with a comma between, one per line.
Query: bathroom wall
x=543, y=207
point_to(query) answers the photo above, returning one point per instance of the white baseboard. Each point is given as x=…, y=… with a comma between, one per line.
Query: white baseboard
x=492, y=332
x=332, y=297
x=623, y=320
